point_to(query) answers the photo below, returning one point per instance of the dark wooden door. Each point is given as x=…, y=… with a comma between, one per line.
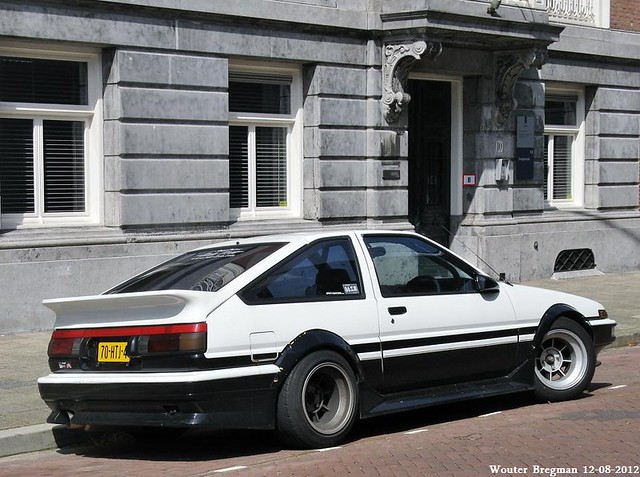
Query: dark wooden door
x=430, y=158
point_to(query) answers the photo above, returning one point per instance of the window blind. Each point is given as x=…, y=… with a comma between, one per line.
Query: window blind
x=562, y=168
x=63, y=166
x=271, y=167
x=16, y=166
x=30, y=80
x=260, y=93
x=561, y=111
x=238, y=166
x=558, y=160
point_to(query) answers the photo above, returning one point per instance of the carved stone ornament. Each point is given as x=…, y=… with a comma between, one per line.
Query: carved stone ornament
x=395, y=71
x=508, y=66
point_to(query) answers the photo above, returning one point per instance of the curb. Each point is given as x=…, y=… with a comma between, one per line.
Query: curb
x=626, y=340
x=38, y=438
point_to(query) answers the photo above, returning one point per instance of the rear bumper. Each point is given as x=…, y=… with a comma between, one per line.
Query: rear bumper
x=189, y=399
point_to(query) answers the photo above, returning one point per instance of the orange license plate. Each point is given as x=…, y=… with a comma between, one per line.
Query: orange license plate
x=112, y=352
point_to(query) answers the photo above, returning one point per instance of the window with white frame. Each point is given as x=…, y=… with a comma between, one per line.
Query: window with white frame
x=564, y=148
x=265, y=153
x=49, y=138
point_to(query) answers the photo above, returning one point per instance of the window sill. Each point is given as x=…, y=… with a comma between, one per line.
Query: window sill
x=563, y=206
x=275, y=214
x=100, y=235
x=33, y=237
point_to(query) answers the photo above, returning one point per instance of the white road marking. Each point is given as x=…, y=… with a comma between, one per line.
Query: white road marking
x=326, y=449
x=618, y=386
x=491, y=414
x=229, y=469
x=417, y=431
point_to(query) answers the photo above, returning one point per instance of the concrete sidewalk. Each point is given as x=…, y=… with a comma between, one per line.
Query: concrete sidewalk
x=23, y=358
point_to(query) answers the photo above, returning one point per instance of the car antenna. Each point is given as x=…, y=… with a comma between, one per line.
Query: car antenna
x=501, y=275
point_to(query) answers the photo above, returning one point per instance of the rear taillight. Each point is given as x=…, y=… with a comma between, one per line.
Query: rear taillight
x=193, y=342
x=145, y=340
x=60, y=346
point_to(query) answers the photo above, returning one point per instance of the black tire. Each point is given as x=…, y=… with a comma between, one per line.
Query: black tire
x=318, y=402
x=565, y=362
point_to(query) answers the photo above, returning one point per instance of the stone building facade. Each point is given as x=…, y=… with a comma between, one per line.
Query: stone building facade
x=131, y=130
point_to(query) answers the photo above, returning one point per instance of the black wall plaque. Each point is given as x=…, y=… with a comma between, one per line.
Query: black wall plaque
x=524, y=147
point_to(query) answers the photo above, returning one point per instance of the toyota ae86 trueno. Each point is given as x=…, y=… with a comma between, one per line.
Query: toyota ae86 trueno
x=305, y=333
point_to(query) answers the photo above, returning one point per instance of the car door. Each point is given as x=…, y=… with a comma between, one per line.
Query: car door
x=436, y=328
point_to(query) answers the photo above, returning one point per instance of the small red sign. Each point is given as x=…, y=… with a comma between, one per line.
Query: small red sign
x=469, y=180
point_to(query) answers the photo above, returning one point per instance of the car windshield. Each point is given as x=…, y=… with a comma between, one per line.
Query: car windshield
x=201, y=270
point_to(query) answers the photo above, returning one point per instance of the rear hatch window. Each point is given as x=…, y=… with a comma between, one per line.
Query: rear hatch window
x=201, y=270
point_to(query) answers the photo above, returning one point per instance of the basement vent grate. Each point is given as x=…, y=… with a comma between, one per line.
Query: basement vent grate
x=575, y=259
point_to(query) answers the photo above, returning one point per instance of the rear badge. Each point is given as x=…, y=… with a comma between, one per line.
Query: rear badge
x=64, y=365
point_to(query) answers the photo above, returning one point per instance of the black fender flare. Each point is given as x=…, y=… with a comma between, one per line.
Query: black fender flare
x=552, y=314
x=308, y=342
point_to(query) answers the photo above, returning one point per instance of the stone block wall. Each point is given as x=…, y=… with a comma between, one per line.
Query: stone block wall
x=485, y=141
x=612, y=148
x=31, y=274
x=347, y=147
x=166, y=146
x=527, y=249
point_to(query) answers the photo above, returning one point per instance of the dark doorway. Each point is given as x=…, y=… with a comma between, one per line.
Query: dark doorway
x=430, y=158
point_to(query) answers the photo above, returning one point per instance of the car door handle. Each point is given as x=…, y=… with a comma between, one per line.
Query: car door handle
x=397, y=310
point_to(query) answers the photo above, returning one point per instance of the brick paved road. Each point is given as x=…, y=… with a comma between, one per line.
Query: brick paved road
x=599, y=433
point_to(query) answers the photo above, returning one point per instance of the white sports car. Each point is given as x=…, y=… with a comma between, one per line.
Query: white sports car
x=305, y=333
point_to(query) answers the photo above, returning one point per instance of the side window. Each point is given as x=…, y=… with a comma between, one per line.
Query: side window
x=325, y=270
x=409, y=266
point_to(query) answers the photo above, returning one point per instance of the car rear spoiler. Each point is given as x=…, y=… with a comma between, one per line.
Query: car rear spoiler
x=157, y=307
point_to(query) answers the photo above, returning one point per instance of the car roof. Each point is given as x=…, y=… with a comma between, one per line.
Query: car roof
x=300, y=237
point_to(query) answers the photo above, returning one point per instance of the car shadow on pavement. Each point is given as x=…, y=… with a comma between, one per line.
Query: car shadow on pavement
x=430, y=416
x=595, y=386
x=164, y=445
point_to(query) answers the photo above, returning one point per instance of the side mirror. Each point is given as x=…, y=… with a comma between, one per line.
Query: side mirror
x=486, y=284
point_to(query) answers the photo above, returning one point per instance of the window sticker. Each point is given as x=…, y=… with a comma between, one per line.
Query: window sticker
x=350, y=288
